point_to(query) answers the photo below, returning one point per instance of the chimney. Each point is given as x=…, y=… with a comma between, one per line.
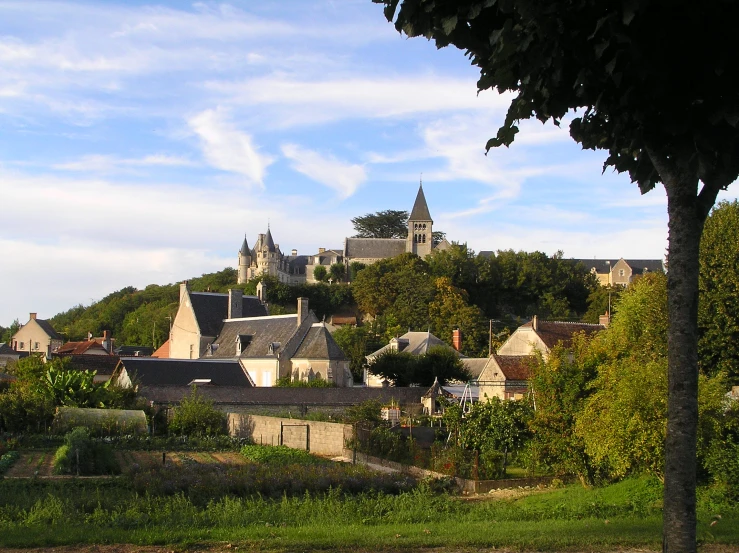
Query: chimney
x=184, y=289
x=235, y=304
x=535, y=323
x=302, y=310
x=33, y=316
x=262, y=291
x=605, y=320
x=294, y=252
x=457, y=339
x=321, y=250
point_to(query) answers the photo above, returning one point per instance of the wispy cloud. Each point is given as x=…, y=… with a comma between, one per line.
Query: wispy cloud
x=228, y=148
x=343, y=177
x=106, y=164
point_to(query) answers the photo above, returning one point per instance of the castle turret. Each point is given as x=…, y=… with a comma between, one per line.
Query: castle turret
x=420, y=227
x=244, y=262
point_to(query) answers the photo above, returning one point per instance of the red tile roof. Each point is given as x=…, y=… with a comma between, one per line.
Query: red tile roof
x=162, y=352
x=79, y=348
x=515, y=367
x=554, y=332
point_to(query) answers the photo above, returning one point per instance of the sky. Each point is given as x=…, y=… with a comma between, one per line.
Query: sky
x=141, y=141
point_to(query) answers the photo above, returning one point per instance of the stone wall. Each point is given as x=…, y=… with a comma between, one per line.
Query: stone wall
x=321, y=438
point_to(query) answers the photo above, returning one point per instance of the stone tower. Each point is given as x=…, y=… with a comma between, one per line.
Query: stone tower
x=420, y=227
x=244, y=262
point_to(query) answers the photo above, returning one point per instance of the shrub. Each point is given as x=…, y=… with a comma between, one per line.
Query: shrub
x=196, y=416
x=7, y=460
x=279, y=455
x=81, y=455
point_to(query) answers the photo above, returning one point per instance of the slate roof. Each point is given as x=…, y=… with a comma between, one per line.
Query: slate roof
x=210, y=311
x=554, y=332
x=46, y=326
x=270, y=243
x=420, y=210
x=104, y=365
x=319, y=344
x=130, y=351
x=436, y=390
x=150, y=371
x=474, y=366
x=374, y=248
x=514, y=367
x=232, y=395
x=261, y=332
x=418, y=343
x=5, y=377
x=245, y=247
x=5, y=348
x=80, y=348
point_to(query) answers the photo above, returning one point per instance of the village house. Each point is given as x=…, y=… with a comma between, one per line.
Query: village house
x=621, y=272
x=37, y=336
x=268, y=348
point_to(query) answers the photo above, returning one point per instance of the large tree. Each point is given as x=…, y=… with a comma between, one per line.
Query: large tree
x=654, y=84
x=383, y=224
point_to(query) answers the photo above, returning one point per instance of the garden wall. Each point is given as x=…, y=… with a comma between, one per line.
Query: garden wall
x=321, y=438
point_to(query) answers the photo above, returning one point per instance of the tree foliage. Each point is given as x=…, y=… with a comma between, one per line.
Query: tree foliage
x=383, y=224
x=718, y=309
x=664, y=108
x=405, y=369
x=196, y=416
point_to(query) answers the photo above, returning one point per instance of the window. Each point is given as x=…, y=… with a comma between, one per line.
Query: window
x=20, y=345
x=621, y=272
x=330, y=373
x=35, y=346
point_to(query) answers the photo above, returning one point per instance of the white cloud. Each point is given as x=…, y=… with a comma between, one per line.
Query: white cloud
x=302, y=101
x=343, y=177
x=227, y=148
x=105, y=164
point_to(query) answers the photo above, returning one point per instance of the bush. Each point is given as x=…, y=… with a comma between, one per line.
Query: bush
x=83, y=456
x=197, y=416
x=279, y=455
x=7, y=461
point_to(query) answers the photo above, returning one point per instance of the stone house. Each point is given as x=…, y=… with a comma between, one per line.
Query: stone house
x=621, y=272
x=542, y=336
x=505, y=377
x=37, y=336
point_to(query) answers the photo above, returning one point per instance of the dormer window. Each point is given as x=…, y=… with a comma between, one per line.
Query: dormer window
x=242, y=342
x=273, y=347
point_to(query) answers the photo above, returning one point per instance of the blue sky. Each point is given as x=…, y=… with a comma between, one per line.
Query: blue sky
x=140, y=141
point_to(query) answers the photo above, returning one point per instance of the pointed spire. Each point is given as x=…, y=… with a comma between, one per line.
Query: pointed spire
x=269, y=241
x=420, y=208
x=244, y=247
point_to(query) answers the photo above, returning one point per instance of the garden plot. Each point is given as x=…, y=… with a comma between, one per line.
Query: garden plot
x=40, y=463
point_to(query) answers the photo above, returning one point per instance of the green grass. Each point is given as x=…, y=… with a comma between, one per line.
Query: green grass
x=39, y=513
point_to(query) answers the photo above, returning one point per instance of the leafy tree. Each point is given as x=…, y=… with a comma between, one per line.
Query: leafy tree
x=383, y=224
x=405, y=369
x=195, y=415
x=354, y=268
x=6, y=334
x=449, y=310
x=560, y=385
x=320, y=273
x=718, y=309
x=337, y=272
x=601, y=300
x=357, y=342
x=662, y=106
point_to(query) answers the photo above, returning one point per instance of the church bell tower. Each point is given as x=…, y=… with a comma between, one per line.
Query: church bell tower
x=420, y=227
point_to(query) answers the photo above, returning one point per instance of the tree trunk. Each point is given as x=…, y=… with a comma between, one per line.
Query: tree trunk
x=686, y=220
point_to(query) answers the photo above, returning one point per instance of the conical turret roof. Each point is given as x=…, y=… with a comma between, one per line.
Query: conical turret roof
x=420, y=208
x=268, y=240
x=244, y=247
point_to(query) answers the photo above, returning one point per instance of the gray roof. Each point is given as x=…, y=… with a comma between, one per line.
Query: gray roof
x=415, y=343
x=374, y=248
x=5, y=348
x=319, y=344
x=257, y=333
x=46, y=326
x=474, y=366
x=285, y=397
x=420, y=208
x=245, y=247
x=210, y=311
x=270, y=243
x=151, y=371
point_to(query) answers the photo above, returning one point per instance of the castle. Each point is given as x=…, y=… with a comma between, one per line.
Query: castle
x=266, y=258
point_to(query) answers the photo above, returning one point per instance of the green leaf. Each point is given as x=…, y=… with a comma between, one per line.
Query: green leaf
x=449, y=24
